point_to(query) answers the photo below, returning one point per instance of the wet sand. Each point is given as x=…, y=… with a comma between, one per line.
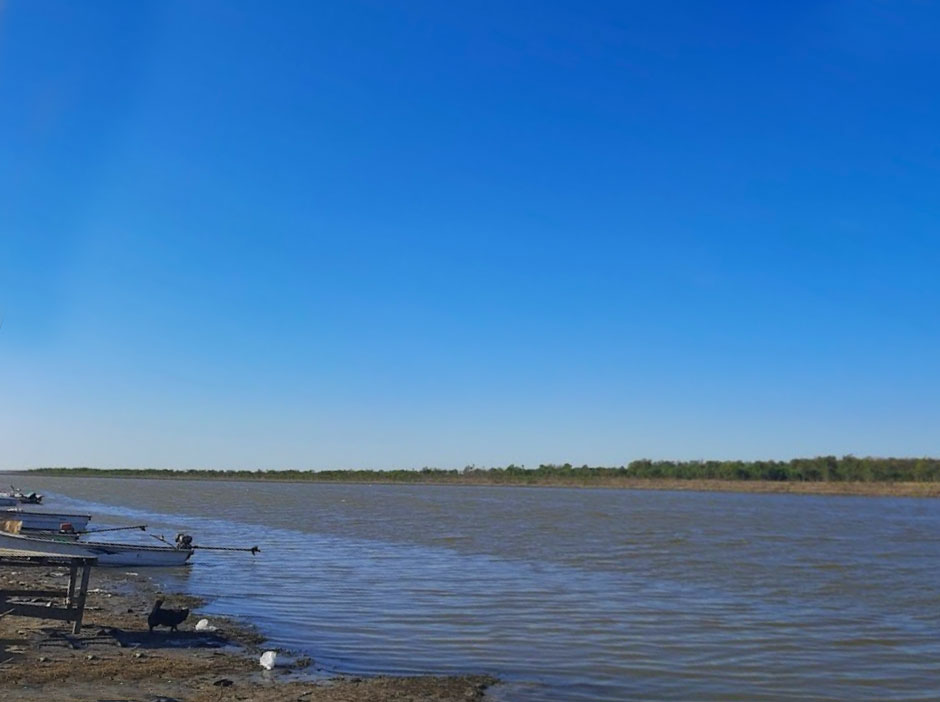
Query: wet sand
x=116, y=659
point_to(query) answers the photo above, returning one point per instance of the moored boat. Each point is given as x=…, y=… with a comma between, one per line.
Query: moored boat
x=20, y=497
x=108, y=554
x=32, y=520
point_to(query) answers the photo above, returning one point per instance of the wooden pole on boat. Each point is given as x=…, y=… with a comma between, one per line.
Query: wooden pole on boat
x=253, y=549
x=142, y=527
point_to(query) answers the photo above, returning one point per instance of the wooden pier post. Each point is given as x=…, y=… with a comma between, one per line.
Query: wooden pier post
x=82, y=594
x=73, y=576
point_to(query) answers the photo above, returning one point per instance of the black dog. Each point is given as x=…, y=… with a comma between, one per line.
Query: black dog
x=166, y=617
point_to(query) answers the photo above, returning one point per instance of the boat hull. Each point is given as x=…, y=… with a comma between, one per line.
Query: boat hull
x=108, y=554
x=121, y=555
x=22, y=498
x=44, y=521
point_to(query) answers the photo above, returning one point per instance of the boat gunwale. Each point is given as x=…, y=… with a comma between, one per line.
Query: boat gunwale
x=17, y=510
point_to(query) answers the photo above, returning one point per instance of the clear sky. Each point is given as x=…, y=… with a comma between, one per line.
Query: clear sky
x=396, y=234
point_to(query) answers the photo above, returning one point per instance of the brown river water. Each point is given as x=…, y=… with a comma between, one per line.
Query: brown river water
x=565, y=594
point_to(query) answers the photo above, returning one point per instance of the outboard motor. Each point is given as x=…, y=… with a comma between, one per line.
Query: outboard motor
x=67, y=528
x=184, y=541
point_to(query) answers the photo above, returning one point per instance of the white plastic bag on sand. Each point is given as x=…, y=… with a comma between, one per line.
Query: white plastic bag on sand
x=267, y=659
x=203, y=625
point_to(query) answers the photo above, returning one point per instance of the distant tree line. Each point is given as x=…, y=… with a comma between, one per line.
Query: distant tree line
x=819, y=469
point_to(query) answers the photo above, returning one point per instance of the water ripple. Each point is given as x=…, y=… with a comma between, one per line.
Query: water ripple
x=568, y=594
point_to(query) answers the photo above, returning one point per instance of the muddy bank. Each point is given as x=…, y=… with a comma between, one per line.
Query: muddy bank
x=115, y=658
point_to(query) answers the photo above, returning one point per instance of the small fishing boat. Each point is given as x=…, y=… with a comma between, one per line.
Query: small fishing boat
x=108, y=554
x=14, y=493
x=32, y=520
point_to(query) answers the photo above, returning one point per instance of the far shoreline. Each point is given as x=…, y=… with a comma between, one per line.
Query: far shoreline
x=769, y=487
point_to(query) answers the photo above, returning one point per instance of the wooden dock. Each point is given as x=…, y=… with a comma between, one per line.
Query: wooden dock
x=79, y=572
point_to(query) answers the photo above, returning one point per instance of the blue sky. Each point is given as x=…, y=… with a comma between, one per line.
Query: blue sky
x=382, y=234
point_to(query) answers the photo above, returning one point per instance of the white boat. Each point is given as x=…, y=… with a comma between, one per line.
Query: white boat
x=108, y=554
x=31, y=520
x=32, y=498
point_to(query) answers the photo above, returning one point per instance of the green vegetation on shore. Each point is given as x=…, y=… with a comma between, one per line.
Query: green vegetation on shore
x=822, y=469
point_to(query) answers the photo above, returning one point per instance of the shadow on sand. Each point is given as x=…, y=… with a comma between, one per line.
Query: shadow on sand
x=141, y=638
x=165, y=639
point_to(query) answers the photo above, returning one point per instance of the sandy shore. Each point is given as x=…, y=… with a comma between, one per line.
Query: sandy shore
x=116, y=659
